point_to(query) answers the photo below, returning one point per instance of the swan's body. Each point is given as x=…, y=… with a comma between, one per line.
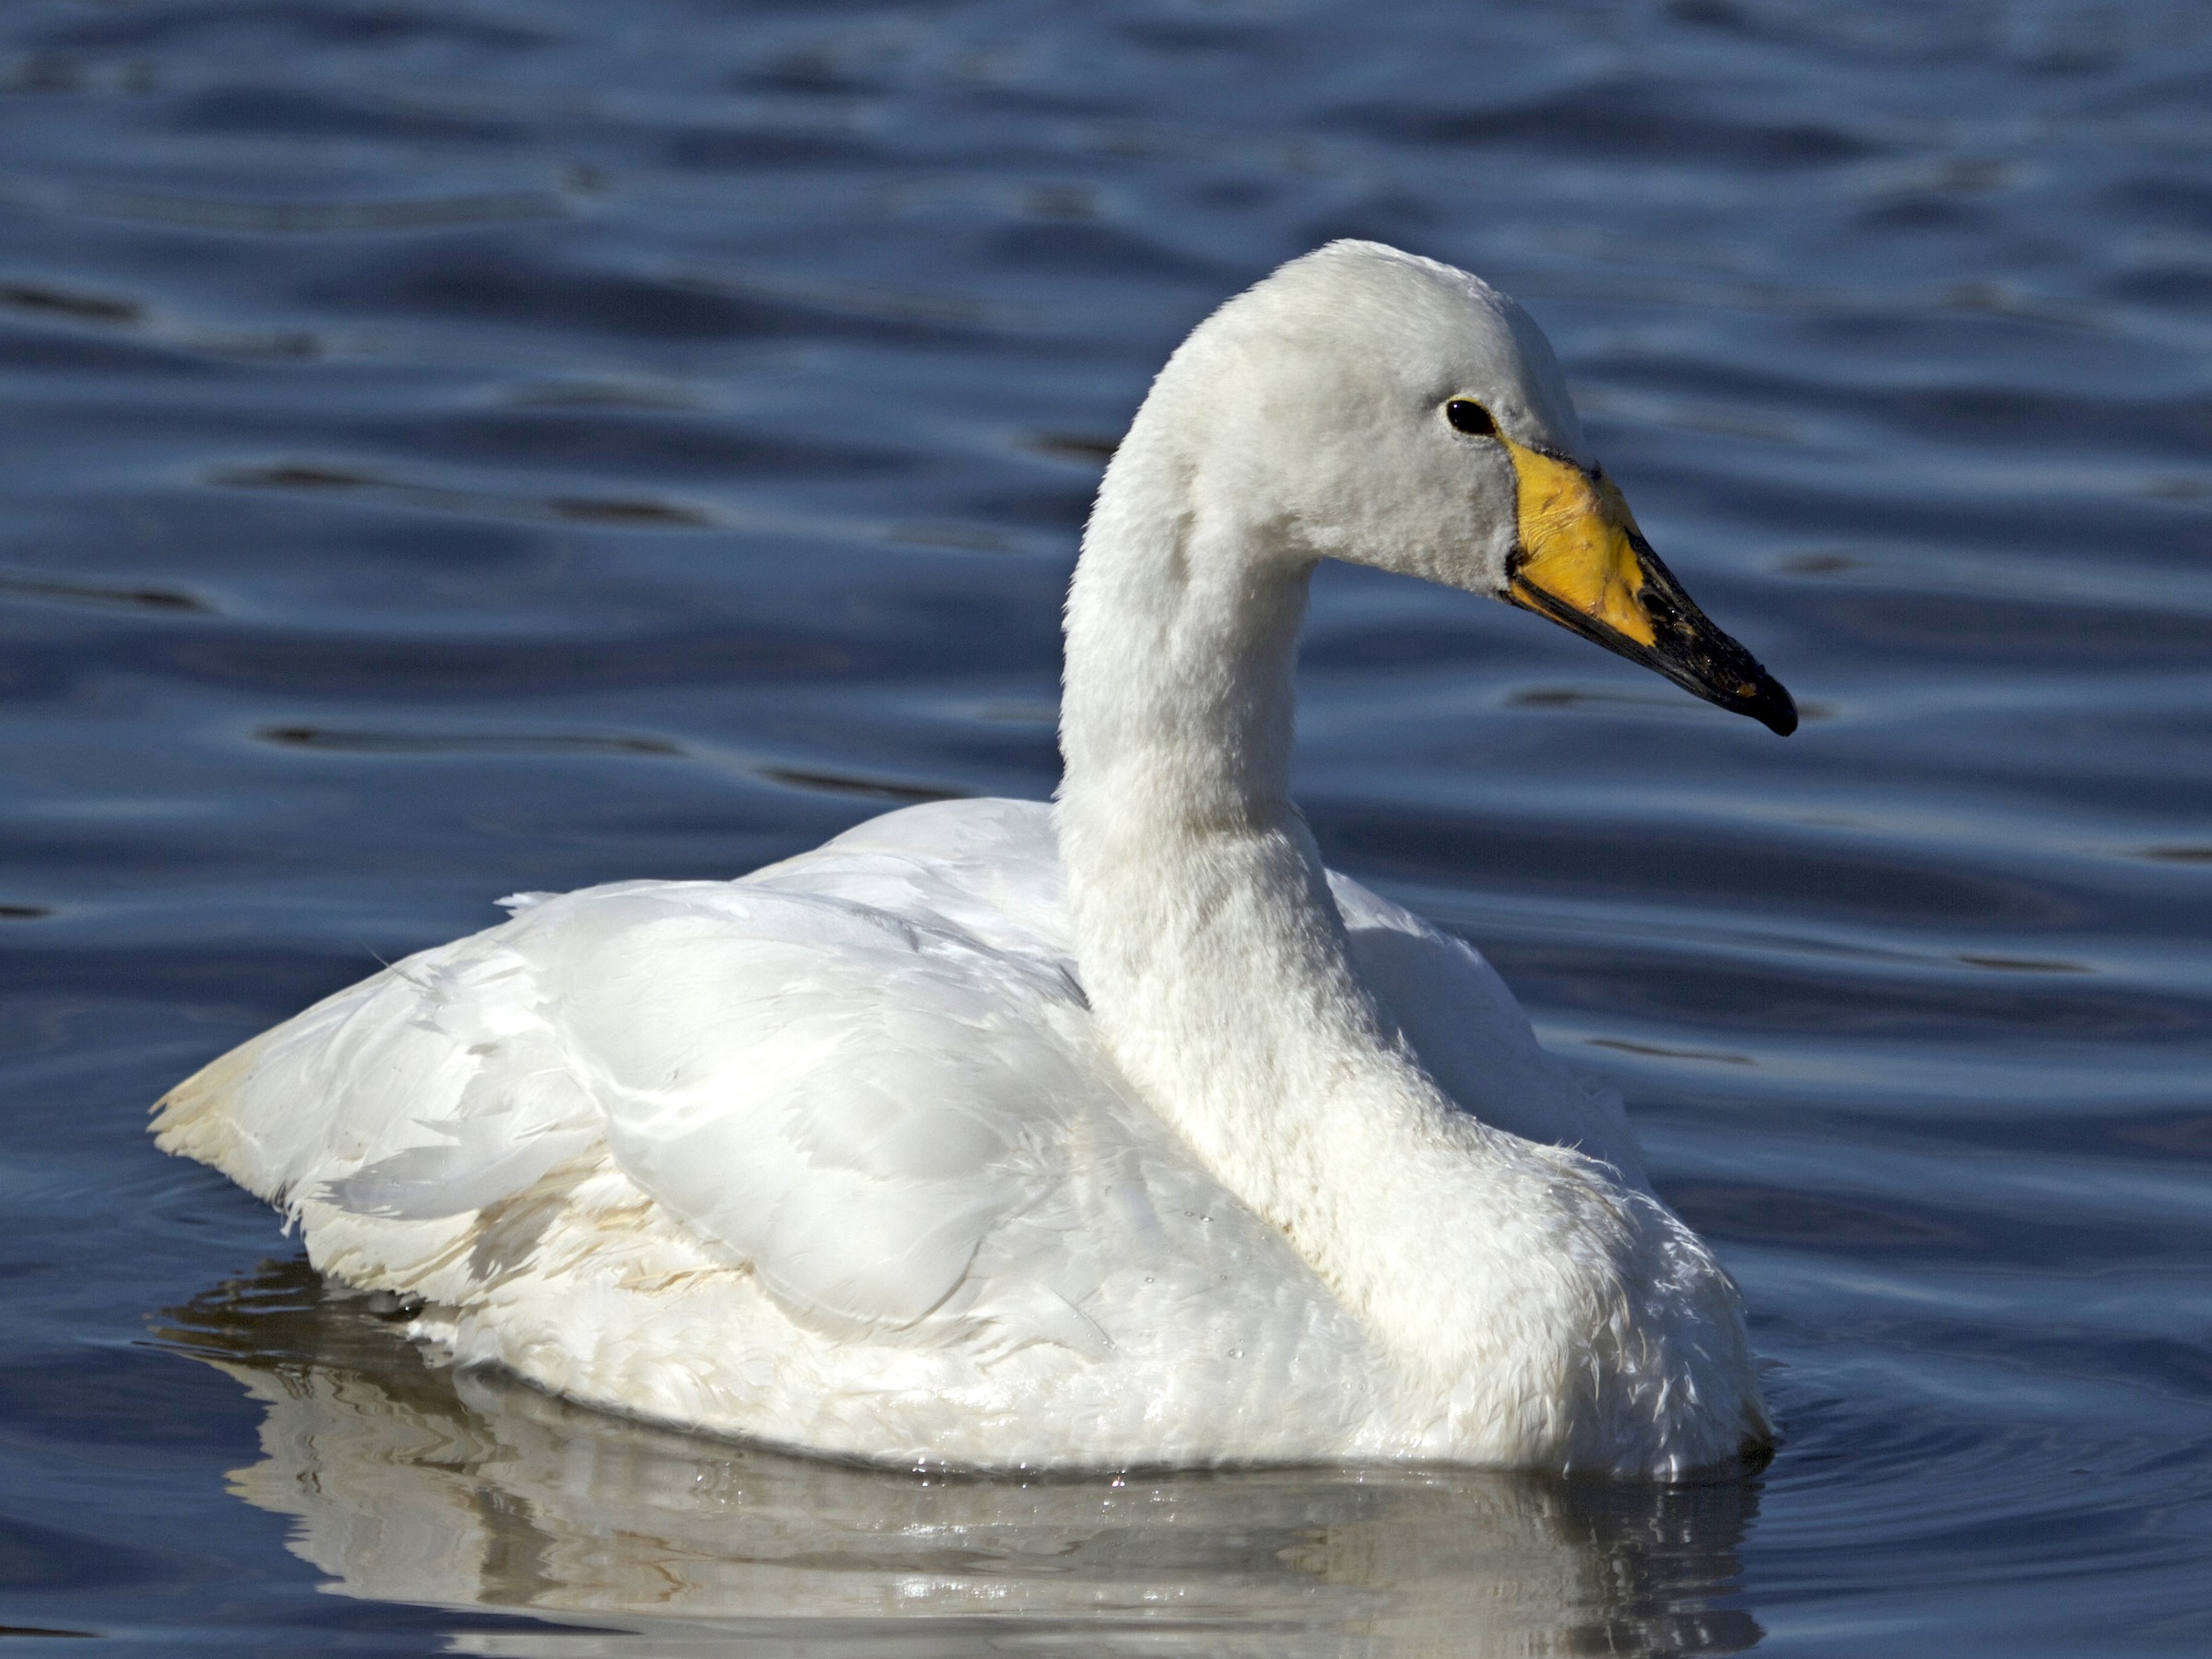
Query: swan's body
x=833, y=1155
x=994, y=1135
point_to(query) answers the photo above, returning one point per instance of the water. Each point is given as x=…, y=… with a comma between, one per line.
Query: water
x=448, y=449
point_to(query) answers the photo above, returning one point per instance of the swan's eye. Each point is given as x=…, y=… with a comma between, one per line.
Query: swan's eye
x=1470, y=417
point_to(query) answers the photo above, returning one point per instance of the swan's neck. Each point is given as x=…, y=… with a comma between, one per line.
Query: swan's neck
x=1212, y=952
x=1499, y=1273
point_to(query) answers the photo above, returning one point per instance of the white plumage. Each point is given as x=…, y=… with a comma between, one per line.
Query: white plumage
x=995, y=1135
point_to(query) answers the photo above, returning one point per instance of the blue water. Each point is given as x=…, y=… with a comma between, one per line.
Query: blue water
x=468, y=445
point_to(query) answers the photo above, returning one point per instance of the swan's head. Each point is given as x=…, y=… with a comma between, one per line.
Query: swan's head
x=1365, y=404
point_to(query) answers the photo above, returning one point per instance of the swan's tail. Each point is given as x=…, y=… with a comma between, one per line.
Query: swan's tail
x=199, y=1119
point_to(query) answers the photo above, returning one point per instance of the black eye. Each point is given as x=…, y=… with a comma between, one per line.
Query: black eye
x=1470, y=417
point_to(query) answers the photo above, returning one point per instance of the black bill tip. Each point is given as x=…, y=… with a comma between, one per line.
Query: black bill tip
x=1772, y=706
x=1699, y=657
x=1705, y=661
x=1685, y=647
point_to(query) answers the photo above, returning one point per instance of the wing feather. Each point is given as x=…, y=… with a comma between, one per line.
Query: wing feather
x=814, y=1072
x=846, y=1101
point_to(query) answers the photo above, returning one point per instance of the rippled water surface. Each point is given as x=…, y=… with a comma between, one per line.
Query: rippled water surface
x=456, y=447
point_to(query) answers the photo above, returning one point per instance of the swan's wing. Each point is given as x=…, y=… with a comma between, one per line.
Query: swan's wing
x=847, y=1102
x=1472, y=1036
x=849, y=1098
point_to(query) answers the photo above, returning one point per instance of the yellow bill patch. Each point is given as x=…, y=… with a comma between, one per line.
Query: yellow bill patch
x=1575, y=533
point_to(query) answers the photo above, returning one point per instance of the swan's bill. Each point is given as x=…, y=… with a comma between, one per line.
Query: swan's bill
x=1582, y=562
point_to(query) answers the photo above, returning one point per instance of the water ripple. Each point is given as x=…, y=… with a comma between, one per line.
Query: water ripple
x=451, y=450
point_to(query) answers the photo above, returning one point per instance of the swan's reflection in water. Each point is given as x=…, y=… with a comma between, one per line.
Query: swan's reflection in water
x=414, y=1483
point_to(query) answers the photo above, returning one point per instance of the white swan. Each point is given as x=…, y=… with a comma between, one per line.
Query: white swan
x=990, y=1137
